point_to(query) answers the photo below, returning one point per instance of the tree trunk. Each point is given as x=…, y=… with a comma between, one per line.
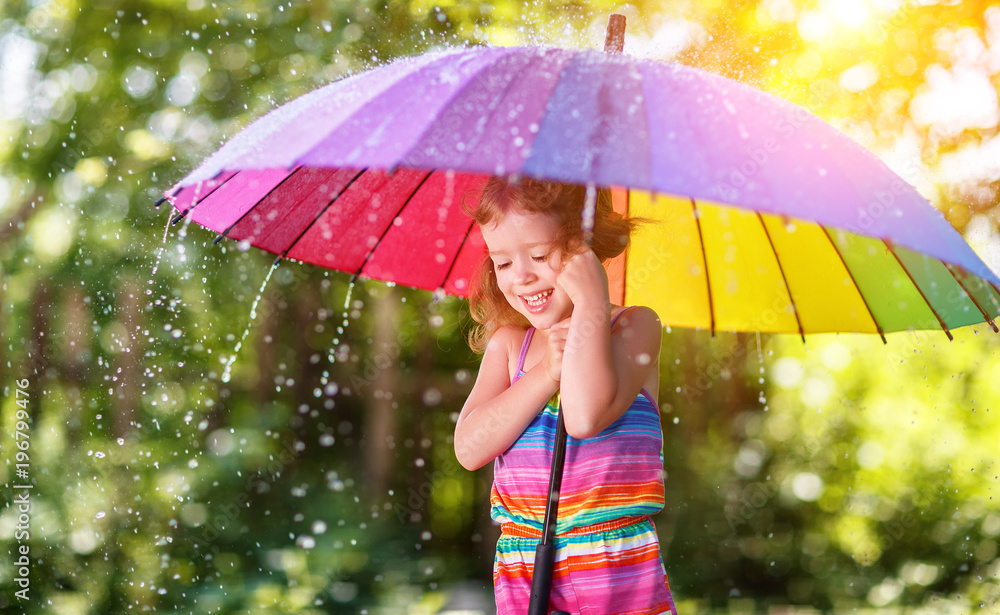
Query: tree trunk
x=14, y=226
x=380, y=419
x=127, y=361
x=37, y=347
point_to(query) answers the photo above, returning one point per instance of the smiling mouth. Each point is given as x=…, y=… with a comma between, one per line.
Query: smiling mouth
x=536, y=301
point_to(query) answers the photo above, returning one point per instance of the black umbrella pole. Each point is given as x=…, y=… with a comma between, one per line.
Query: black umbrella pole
x=545, y=553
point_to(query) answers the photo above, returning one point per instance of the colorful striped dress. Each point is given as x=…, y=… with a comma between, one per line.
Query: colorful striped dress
x=607, y=551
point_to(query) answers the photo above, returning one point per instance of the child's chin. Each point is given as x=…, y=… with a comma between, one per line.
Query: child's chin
x=539, y=321
x=545, y=320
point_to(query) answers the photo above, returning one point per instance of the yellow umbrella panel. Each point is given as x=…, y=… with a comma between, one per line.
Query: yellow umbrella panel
x=710, y=266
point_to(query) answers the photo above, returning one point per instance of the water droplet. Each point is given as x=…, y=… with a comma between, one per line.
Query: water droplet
x=226, y=373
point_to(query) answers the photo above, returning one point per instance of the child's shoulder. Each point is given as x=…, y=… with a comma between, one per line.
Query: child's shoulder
x=638, y=325
x=638, y=317
x=507, y=338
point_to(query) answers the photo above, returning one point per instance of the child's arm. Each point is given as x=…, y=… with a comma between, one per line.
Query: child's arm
x=602, y=374
x=496, y=412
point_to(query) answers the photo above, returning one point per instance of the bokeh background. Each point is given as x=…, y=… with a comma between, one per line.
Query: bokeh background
x=203, y=442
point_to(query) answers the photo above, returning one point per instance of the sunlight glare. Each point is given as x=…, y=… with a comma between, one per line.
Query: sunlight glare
x=953, y=101
x=851, y=13
x=813, y=26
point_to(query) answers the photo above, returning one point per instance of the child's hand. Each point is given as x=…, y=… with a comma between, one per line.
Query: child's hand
x=555, y=349
x=584, y=280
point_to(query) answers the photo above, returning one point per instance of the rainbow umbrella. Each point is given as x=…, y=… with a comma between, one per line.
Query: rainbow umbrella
x=770, y=219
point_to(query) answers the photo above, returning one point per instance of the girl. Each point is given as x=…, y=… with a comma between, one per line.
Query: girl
x=548, y=328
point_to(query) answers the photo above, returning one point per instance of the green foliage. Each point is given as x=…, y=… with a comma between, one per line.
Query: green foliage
x=862, y=475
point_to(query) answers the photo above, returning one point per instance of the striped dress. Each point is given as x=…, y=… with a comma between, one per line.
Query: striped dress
x=607, y=551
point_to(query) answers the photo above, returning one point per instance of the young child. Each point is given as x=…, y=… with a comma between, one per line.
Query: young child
x=547, y=327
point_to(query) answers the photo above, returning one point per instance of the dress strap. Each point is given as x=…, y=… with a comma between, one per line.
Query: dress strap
x=620, y=313
x=531, y=331
x=524, y=350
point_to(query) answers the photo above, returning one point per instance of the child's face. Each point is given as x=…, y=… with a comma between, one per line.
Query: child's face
x=527, y=261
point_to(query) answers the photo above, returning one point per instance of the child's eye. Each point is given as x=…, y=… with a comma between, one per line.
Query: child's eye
x=541, y=259
x=502, y=265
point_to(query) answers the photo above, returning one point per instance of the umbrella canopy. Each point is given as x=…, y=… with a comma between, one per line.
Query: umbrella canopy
x=766, y=218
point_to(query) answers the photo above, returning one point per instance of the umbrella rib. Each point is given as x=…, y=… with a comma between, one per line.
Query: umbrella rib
x=988, y=318
x=247, y=212
x=855, y=282
x=385, y=231
x=181, y=215
x=174, y=192
x=888, y=246
x=996, y=290
x=320, y=214
x=465, y=237
x=784, y=278
x=704, y=260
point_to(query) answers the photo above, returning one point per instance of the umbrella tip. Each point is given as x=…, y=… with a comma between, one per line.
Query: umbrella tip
x=177, y=218
x=614, y=39
x=159, y=201
x=218, y=239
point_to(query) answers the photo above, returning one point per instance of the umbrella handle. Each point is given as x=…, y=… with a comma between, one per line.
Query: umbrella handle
x=541, y=579
x=545, y=553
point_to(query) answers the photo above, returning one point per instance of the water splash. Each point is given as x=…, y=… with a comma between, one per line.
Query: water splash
x=331, y=354
x=347, y=300
x=159, y=253
x=170, y=215
x=226, y=374
x=762, y=397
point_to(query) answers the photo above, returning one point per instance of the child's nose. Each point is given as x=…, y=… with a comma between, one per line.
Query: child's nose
x=525, y=272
